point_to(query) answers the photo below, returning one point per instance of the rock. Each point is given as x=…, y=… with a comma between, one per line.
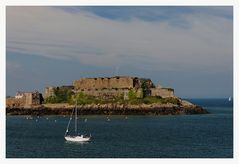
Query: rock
x=142, y=109
x=186, y=103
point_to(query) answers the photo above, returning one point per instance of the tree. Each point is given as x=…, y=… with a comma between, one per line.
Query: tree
x=61, y=95
x=144, y=88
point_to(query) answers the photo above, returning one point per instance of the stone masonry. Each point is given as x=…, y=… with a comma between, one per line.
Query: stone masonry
x=118, y=85
x=162, y=92
x=27, y=99
x=118, y=82
x=49, y=91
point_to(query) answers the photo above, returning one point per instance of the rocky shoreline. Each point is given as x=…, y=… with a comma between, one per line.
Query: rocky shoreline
x=109, y=109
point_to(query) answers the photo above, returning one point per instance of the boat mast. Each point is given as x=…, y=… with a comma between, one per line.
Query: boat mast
x=76, y=119
x=67, y=129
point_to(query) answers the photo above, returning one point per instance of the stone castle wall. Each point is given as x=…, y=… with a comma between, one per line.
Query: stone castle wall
x=118, y=82
x=111, y=93
x=162, y=92
x=28, y=99
x=15, y=102
x=33, y=99
x=104, y=83
x=109, y=87
x=50, y=90
x=106, y=93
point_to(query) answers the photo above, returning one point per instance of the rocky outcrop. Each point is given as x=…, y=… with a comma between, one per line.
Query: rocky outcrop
x=109, y=109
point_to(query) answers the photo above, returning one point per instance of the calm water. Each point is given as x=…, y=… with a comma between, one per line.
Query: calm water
x=193, y=136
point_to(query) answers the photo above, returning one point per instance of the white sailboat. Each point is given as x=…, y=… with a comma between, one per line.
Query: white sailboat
x=76, y=137
x=230, y=98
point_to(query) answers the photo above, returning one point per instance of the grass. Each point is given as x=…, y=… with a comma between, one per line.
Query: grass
x=83, y=99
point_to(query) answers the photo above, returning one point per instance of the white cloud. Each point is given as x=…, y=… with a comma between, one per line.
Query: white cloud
x=93, y=40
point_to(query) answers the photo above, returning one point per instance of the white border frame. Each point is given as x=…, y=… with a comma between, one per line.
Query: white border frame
x=4, y=3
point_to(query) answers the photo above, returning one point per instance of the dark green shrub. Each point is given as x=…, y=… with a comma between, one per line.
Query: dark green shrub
x=60, y=96
x=132, y=94
x=172, y=100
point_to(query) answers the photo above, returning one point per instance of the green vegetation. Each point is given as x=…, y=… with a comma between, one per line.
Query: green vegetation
x=67, y=96
x=144, y=89
x=132, y=94
x=61, y=96
x=83, y=99
x=172, y=100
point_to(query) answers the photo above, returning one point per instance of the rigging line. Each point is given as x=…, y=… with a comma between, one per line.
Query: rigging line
x=76, y=119
x=69, y=121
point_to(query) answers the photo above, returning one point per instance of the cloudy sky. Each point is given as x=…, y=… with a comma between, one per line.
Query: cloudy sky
x=187, y=48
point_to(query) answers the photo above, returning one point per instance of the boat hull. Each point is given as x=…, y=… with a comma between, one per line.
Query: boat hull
x=77, y=138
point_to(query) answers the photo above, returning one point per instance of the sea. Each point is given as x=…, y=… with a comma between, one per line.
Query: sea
x=169, y=136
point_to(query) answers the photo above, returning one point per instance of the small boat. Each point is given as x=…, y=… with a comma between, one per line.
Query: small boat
x=230, y=98
x=76, y=137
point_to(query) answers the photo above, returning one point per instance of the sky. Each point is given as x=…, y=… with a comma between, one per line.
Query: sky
x=188, y=48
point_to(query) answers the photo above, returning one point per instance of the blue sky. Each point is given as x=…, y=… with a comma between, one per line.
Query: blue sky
x=187, y=48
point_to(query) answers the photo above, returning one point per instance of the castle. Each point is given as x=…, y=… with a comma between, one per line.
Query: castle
x=109, y=87
x=104, y=87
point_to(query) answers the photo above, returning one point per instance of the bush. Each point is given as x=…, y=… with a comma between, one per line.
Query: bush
x=83, y=99
x=172, y=100
x=132, y=94
x=144, y=89
x=60, y=96
x=151, y=100
x=51, y=99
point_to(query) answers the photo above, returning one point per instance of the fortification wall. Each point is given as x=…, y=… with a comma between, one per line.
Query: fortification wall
x=49, y=91
x=106, y=93
x=27, y=100
x=147, y=83
x=32, y=98
x=104, y=83
x=110, y=93
x=13, y=102
x=162, y=92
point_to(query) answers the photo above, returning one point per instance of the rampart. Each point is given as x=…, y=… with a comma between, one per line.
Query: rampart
x=14, y=102
x=117, y=82
x=162, y=92
x=104, y=83
x=27, y=100
x=50, y=90
x=110, y=87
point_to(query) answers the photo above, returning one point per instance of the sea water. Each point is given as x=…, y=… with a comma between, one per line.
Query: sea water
x=181, y=136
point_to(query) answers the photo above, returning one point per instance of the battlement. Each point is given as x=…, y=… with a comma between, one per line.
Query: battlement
x=110, y=87
x=117, y=82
